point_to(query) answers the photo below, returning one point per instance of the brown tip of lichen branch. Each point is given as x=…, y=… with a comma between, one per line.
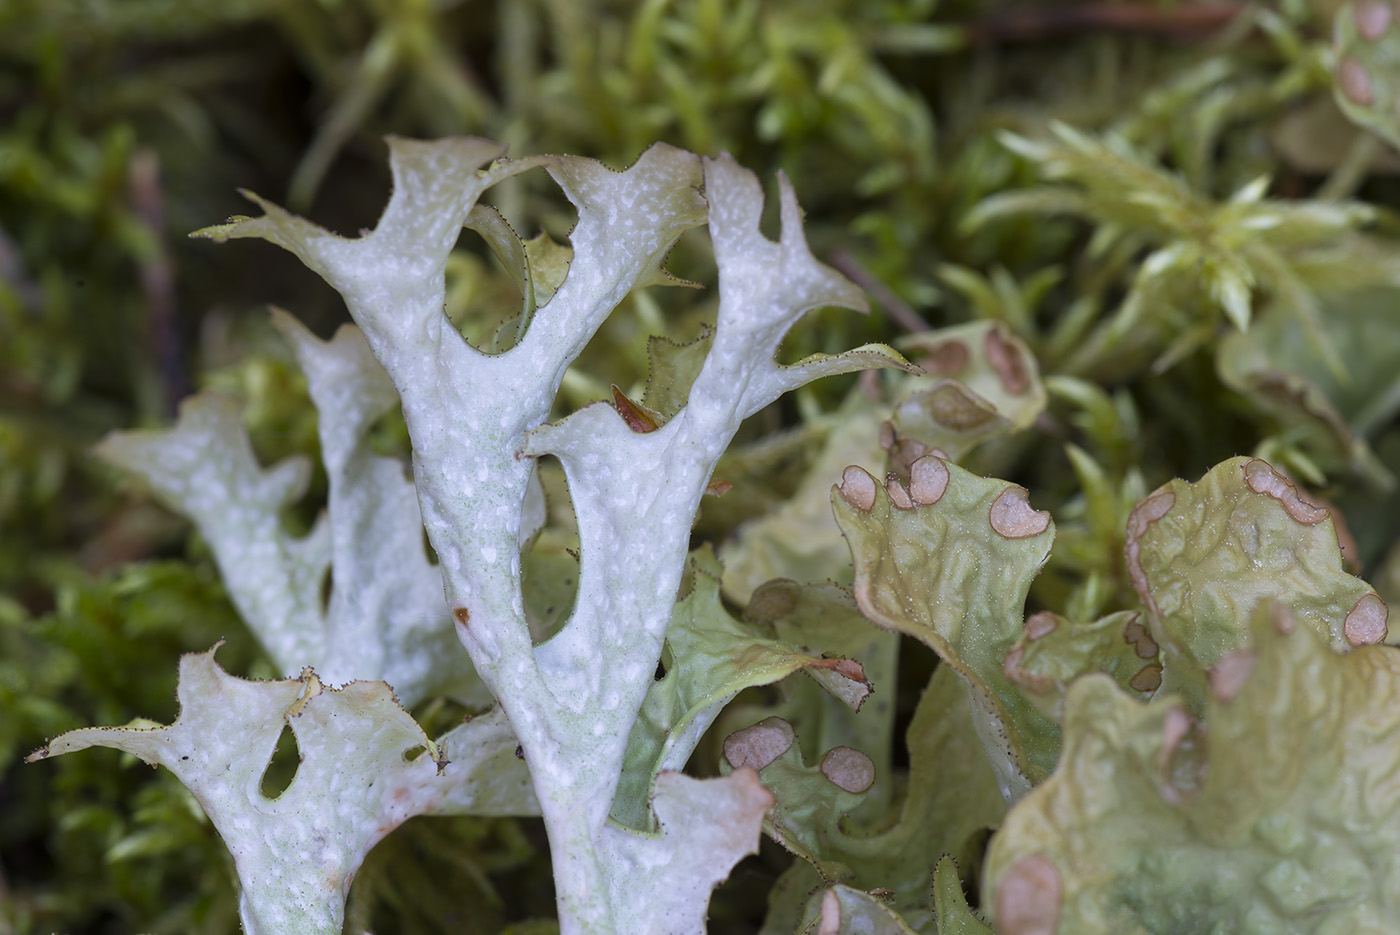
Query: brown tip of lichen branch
x=857, y=488
x=638, y=419
x=846, y=668
x=1012, y=516
x=1028, y=897
x=462, y=615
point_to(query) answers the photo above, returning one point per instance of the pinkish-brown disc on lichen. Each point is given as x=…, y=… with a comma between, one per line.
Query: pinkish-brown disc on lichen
x=830, y=921
x=1147, y=679
x=1136, y=634
x=1355, y=82
x=1040, y=625
x=848, y=768
x=1005, y=357
x=1176, y=727
x=928, y=479
x=759, y=745
x=1149, y=511
x=888, y=436
x=1144, y=515
x=1034, y=681
x=955, y=407
x=1012, y=516
x=773, y=599
x=1372, y=18
x=897, y=494
x=1262, y=478
x=1028, y=897
x=903, y=454
x=1228, y=675
x=1366, y=622
x=949, y=357
x=858, y=488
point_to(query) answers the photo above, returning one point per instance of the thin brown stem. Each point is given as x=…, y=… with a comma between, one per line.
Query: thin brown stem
x=1030, y=25
x=157, y=273
x=898, y=309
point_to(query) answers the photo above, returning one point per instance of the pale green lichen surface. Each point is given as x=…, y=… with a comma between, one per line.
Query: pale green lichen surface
x=1279, y=812
x=365, y=768
x=1201, y=557
x=949, y=560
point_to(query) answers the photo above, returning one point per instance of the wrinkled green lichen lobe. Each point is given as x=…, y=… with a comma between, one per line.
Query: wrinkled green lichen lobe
x=1276, y=813
x=1178, y=891
x=1203, y=555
